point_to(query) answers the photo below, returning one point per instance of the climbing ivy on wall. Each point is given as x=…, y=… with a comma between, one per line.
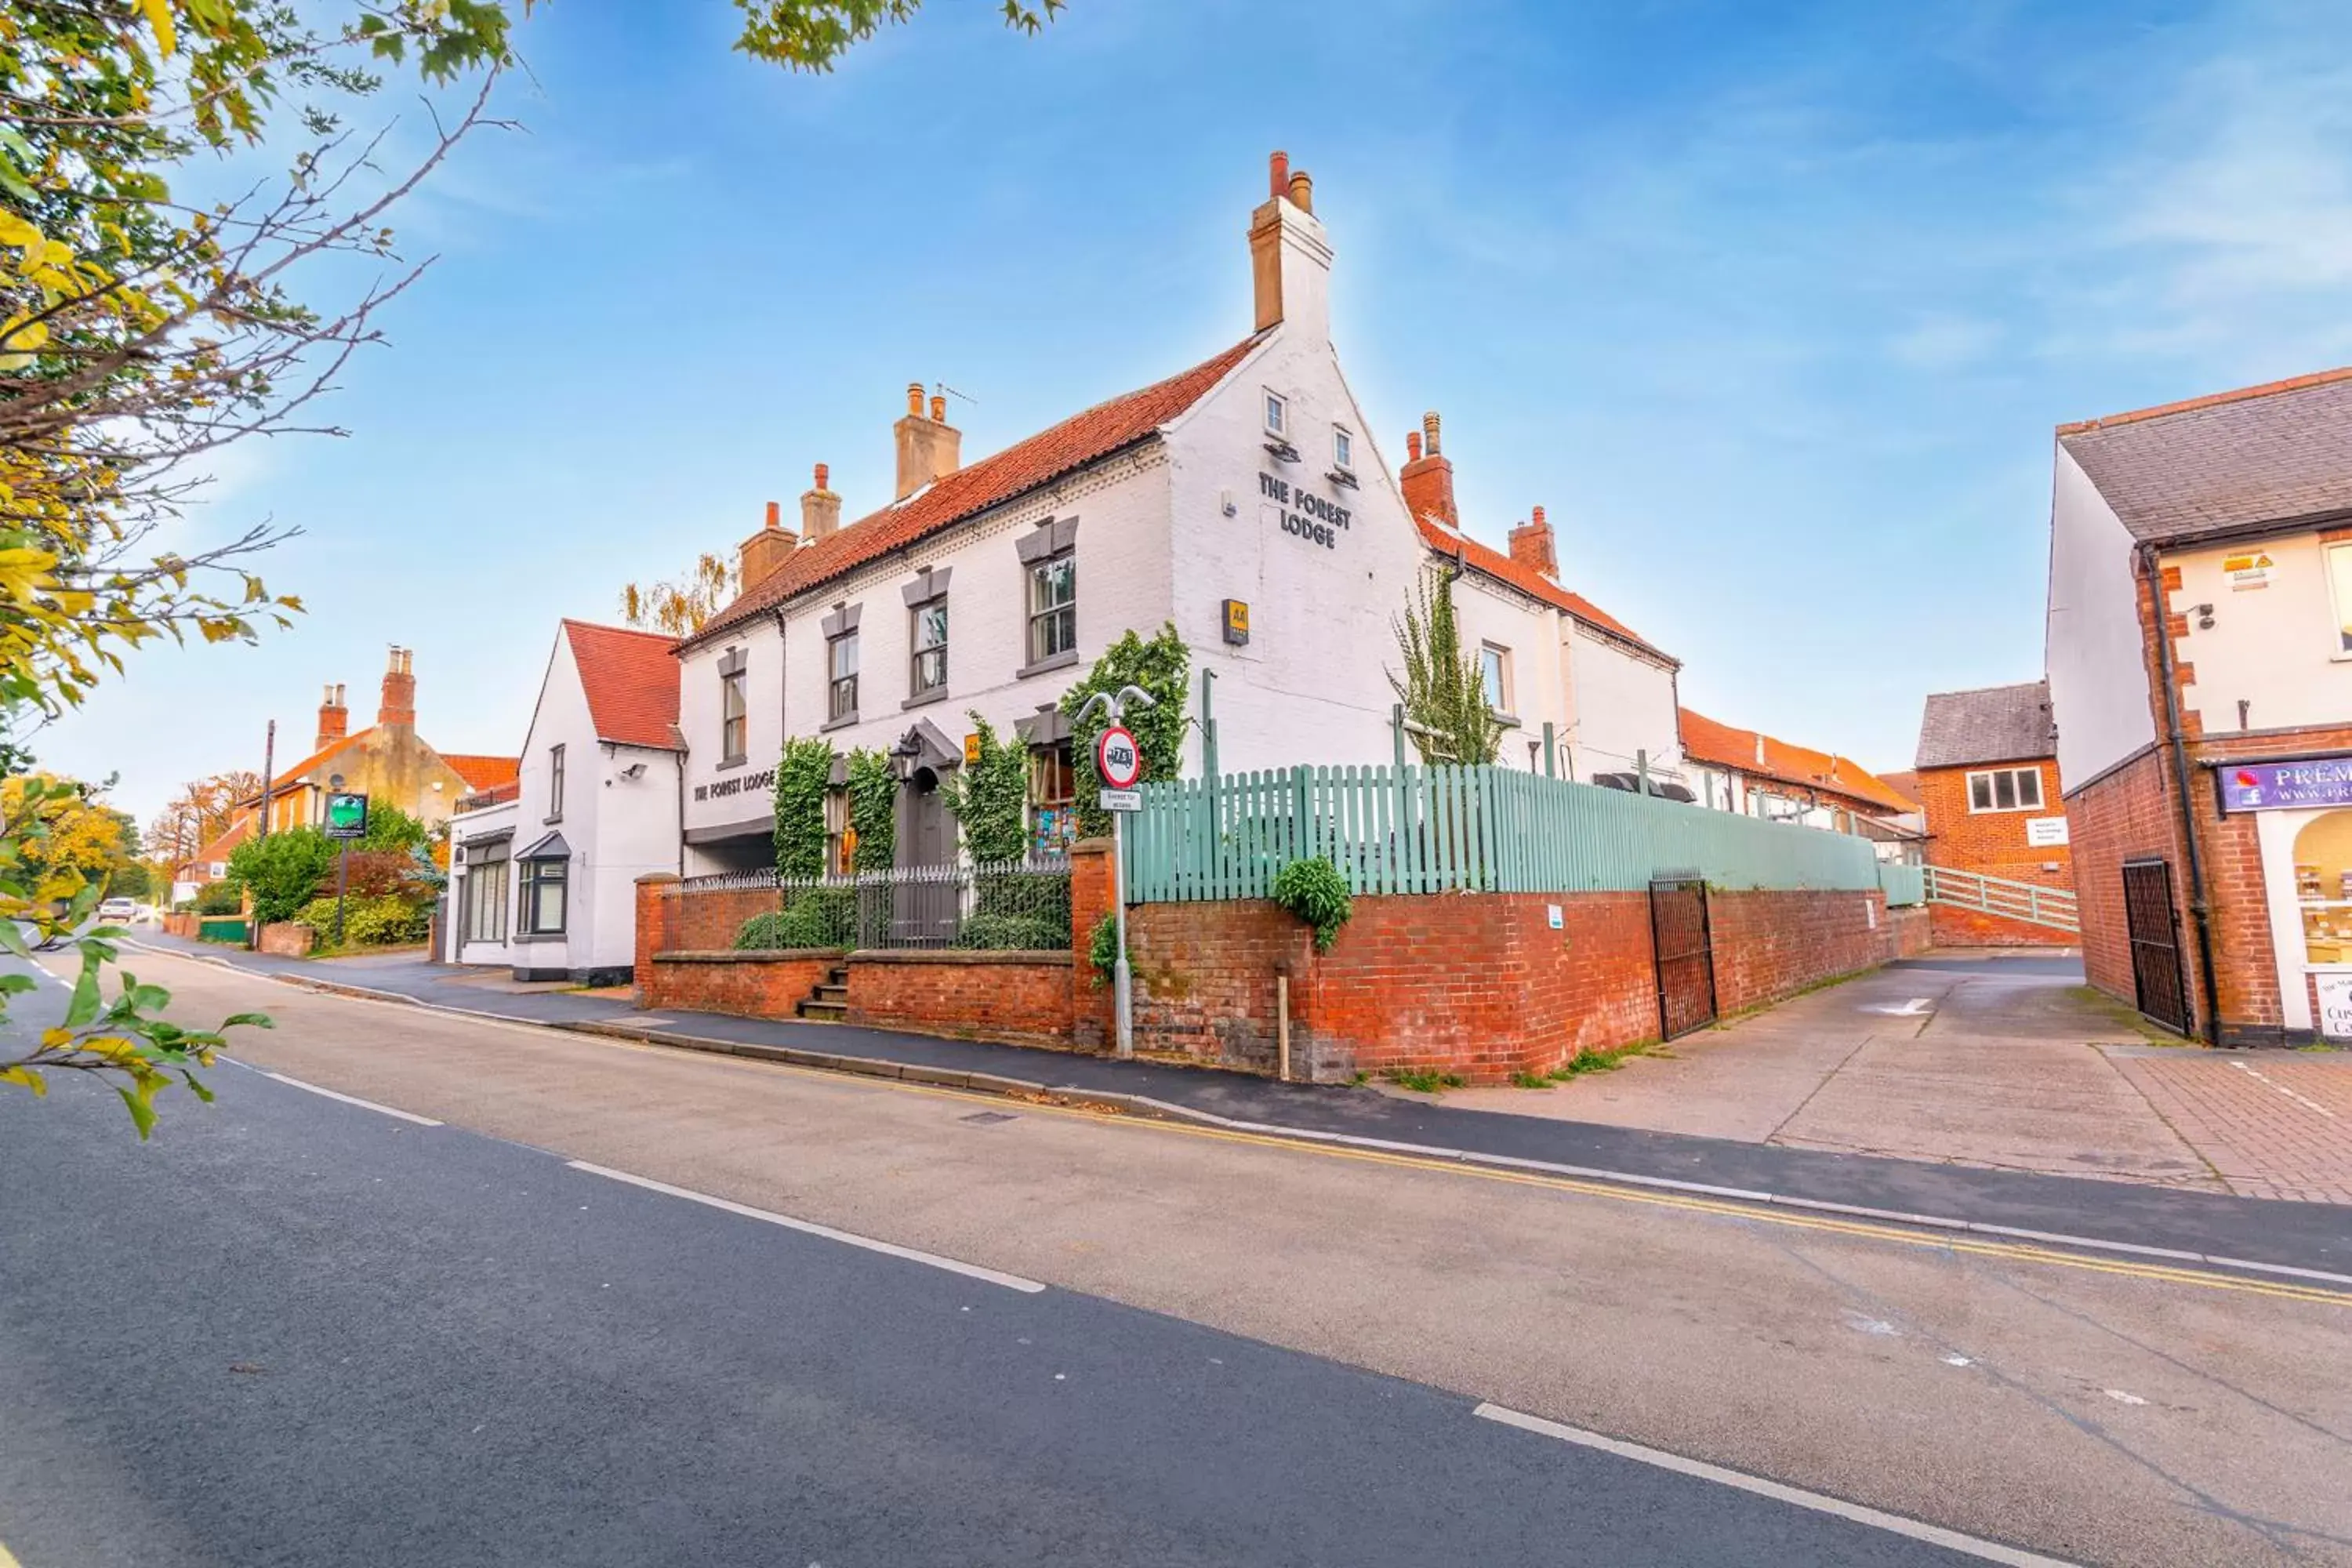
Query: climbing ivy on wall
x=802, y=776
x=990, y=798
x=1162, y=667
x=873, y=809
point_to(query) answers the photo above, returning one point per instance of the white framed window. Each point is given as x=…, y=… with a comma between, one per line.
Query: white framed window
x=928, y=671
x=2005, y=789
x=1053, y=606
x=841, y=677
x=734, y=717
x=1277, y=414
x=543, y=886
x=1495, y=676
x=555, y=783
x=2339, y=594
x=1343, y=451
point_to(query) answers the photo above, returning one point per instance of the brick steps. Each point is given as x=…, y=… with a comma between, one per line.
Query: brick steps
x=829, y=1003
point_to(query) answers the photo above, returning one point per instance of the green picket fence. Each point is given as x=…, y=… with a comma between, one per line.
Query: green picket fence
x=1438, y=829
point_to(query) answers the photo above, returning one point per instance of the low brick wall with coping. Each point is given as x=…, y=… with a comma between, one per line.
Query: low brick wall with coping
x=1481, y=985
x=287, y=939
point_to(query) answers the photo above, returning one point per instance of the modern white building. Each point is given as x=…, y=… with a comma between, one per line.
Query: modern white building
x=1243, y=501
x=543, y=878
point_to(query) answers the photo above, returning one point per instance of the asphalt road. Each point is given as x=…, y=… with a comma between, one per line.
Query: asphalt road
x=297, y=1330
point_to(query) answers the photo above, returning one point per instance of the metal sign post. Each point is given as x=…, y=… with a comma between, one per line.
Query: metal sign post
x=346, y=820
x=1119, y=763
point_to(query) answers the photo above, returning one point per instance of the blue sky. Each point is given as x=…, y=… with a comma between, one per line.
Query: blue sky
x=1773, y=308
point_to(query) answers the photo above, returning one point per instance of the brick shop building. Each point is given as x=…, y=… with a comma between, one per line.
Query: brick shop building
x=1986, y=771
x=2201, y=669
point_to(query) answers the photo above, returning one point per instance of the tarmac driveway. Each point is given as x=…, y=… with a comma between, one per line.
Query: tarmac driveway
x=2006, y=1062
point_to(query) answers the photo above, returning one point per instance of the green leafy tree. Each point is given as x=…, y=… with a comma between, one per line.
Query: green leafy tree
x=283, y=871
x=873, y=809
x=803, y=775
x=141, y=333
x=990, y=798
x=1161, y=666
x=391, y=828
x=1441, y=689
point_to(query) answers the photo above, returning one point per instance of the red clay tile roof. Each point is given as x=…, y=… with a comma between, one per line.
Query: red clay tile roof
x=1094, y=432
x=227, y=839
x=482, y=773
x=1727, y=746
x=631, y=679
x=1527, y=580
x=1904, y=783
x=302, y=769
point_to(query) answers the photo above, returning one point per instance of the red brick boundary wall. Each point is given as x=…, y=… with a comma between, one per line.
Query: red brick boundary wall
x=287, y=939
x=1912, y=933
x=1019, y=996
x=1482, y=984
x=747, y=984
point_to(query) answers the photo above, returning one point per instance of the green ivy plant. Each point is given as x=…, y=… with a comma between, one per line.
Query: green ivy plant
x=1314, y=892
x=1442, y=690
x=874, y=808
x=803, y=774
x=990, y=798
x=1162, y=667
x=1102, y=950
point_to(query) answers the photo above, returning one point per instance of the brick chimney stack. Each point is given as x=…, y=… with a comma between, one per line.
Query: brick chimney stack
x=399, y=704
x=1427, y=478
x=928, y=448
x=820, y=508
x=1532, y=545
x=334, y=718
x=1290, y=258
x=763, y=554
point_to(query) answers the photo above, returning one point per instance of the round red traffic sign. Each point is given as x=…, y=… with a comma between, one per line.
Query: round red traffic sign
x=1119, y=761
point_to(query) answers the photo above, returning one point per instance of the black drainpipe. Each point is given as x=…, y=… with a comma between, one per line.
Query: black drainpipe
x=2200, y=915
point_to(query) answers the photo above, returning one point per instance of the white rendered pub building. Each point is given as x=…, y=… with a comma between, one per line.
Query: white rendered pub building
x=1242, y=500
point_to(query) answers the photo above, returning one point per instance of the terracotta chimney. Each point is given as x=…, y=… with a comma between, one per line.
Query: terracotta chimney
x=761, y=555
x=1427, y=479
x=398, y=706
x=928, y=448
x=1532, y=545
x=334, y=718
x=1290, y=259
x=820, y=508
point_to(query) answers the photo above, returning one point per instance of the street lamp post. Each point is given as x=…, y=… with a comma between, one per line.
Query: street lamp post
x=1122, y=992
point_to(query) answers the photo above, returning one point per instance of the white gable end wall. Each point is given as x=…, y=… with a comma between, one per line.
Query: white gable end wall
x=2095, y=651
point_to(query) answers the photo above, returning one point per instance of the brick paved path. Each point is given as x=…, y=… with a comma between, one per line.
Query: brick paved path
x=2272, y=1124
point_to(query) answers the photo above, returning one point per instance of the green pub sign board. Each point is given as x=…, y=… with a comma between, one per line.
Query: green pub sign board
x=346, y=816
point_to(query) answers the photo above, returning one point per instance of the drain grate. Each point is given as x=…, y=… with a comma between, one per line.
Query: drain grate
x=988, y=1118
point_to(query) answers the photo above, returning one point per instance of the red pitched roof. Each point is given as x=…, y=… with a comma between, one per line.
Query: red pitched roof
x=302, y=769
x=1763, y=756
x=1528, y=581
x=227, y=839
x=482, y=773
x=1094, y=432
x=631, y=679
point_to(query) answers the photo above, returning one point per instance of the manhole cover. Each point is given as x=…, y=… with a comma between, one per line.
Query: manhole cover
x=987, y=1117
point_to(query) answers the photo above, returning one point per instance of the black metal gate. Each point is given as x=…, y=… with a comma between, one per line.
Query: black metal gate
x=2155, y=929
x=1685, y=953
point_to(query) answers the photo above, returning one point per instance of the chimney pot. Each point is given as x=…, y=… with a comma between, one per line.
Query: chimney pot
x=1427, y=478
x=775, y=514
x=929, y=449
x=1302, y=191
x=915, y=399
x=938, y=409
x=820, y=511
x=1278, y=166
x=823, y=473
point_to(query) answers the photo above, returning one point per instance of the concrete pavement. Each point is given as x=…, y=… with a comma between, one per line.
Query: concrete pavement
x=2091, y=1408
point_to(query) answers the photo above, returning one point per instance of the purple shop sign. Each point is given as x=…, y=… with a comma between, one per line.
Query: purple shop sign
x=2286, y=786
